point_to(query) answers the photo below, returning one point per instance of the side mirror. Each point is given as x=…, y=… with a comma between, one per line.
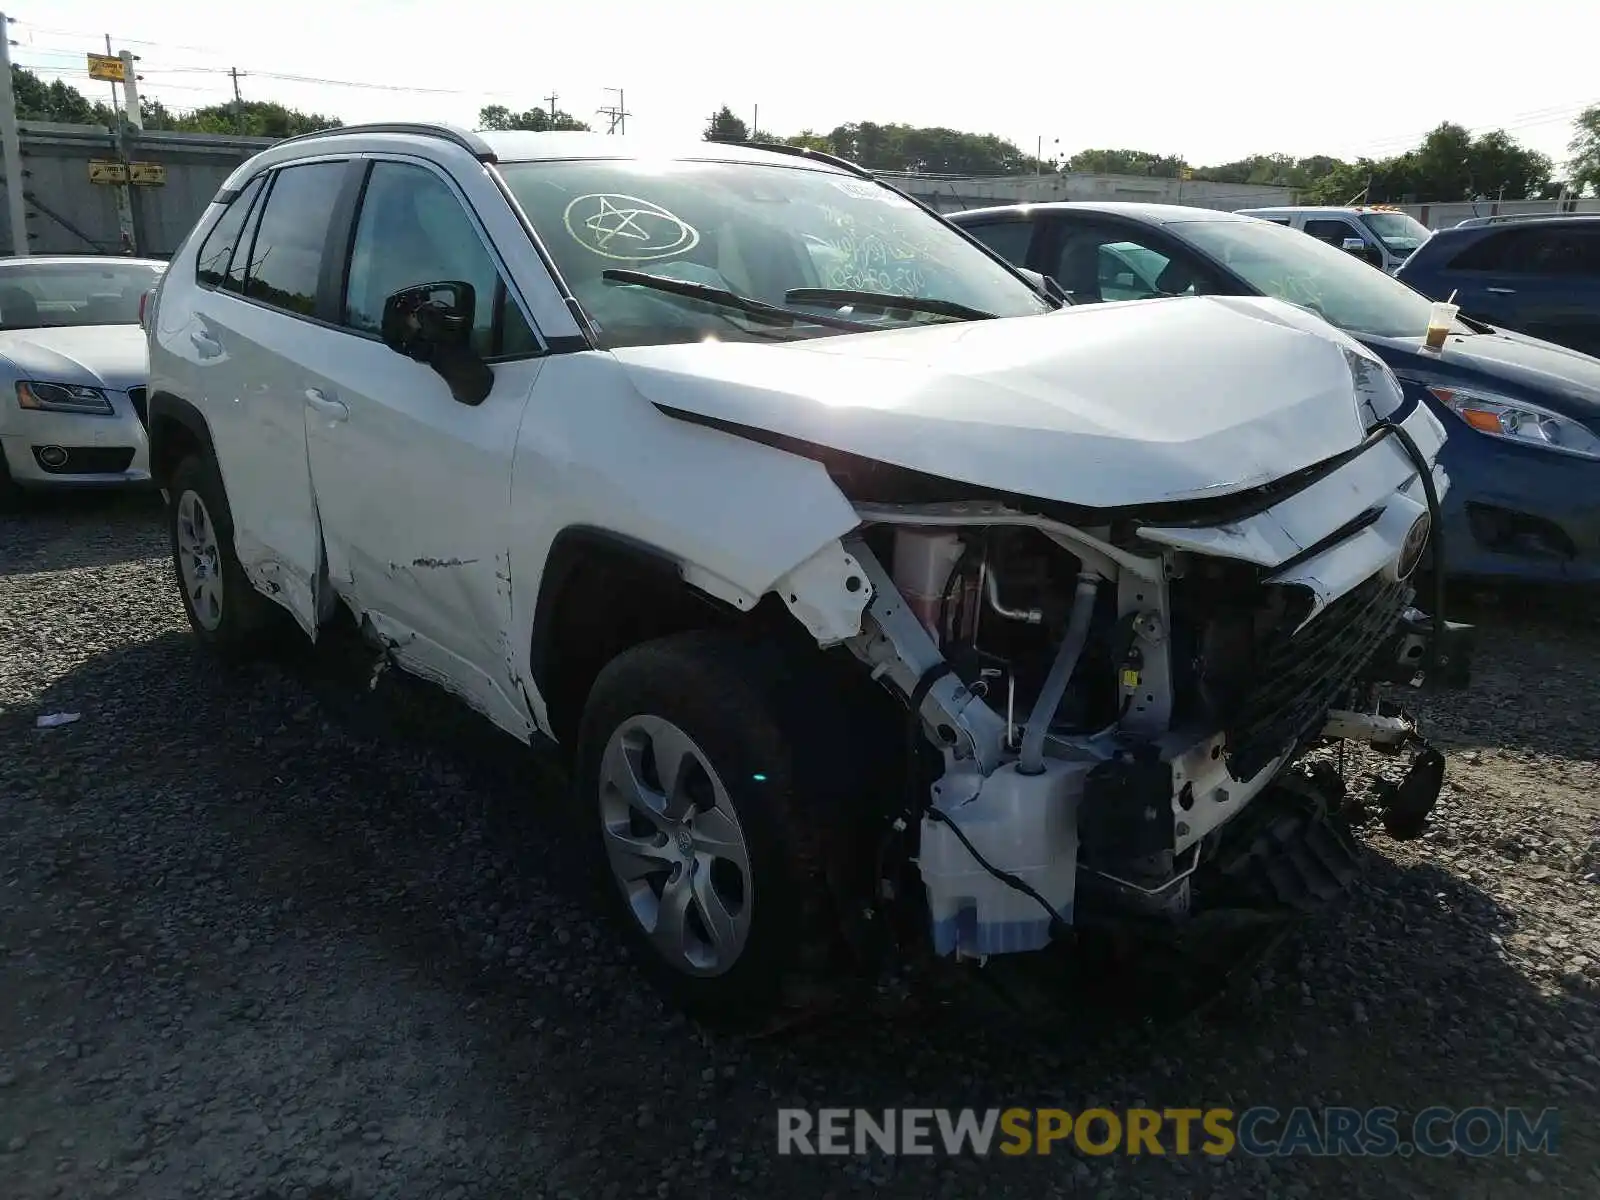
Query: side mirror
x=432, y=323
x=1044, y=284
x=1364, y=250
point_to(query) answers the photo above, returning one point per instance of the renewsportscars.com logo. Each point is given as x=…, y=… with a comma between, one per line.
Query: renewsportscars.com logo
x=1259, y=1132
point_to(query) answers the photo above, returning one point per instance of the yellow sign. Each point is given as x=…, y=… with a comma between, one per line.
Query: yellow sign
x=104, y=170
x=107, y=67
x=147, y=173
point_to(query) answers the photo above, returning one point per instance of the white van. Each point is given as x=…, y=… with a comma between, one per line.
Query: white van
x=1379, y=233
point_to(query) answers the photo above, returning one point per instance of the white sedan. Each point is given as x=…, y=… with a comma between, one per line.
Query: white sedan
x=73, y=371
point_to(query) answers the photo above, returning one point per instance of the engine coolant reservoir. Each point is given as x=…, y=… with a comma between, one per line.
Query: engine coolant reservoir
x=1025, y=825
x=923, y=560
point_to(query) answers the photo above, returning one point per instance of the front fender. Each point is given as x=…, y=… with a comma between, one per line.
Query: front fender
x=733, y=518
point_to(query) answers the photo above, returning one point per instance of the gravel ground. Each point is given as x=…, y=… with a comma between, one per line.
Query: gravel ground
x=272, y=934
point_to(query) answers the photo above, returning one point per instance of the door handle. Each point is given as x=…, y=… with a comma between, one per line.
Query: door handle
x=334, y=410
x=208, y=346
x=1501, y=291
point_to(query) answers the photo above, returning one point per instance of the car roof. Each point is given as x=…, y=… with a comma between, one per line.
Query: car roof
x=54, y=260
x=523, y=146
x=1523, y=220
x=1155, y=214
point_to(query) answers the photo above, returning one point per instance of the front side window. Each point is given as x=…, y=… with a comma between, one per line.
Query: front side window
x=211, y=264
x=53, y=295
x=1286, y=264
x=760, y=231
x=286, y=254
x=412, y=230
x=1103, y=263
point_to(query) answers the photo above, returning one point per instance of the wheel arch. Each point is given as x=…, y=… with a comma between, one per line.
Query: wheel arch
x=602, y=592
x=176, y=429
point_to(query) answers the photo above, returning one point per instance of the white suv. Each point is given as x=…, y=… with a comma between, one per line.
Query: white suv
x=859, y=580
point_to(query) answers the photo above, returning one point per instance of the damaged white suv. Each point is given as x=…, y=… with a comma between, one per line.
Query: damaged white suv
x=870, y=592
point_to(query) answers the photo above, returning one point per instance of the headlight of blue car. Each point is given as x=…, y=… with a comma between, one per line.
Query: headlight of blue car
x=1519, y=421
x=63, y=398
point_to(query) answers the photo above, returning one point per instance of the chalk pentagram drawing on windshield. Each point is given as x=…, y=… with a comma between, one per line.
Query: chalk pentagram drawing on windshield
x=627, y=228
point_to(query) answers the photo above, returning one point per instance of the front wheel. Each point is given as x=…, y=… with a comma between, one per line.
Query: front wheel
x=224, y=609
x=699, y=762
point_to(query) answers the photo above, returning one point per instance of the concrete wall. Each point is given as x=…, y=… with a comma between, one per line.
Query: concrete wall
x=69, y=215
x=952, y=195
x=1443, y=216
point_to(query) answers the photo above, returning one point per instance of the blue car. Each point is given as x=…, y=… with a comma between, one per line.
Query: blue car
x=1524, y=415
x=1539, y=275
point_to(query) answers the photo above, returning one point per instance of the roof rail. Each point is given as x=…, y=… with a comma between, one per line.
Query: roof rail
x=833, y=160
x=1502, y=218
x=467, y=140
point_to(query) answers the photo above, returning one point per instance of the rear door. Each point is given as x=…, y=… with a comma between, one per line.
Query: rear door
x=1552, y=278
x=258, y=294
x=1542, y=281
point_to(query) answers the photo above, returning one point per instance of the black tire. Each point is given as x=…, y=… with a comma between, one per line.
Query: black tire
x=247, y=624
x=766, y=728
x=10, y=493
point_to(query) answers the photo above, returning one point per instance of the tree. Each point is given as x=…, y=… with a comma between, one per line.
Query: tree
x=498, y=116
x=254, y=118
x=38, y=101
x=725, y=127
x=57, y=101
x=1583, y=169
x=1126, y=162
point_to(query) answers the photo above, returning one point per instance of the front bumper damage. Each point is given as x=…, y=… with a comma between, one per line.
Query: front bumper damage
x=1168, y=815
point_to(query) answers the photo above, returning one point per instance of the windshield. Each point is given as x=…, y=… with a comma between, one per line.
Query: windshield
x=1336, y=285
x=49, y=295
x=757, y=230
x=1399, y=232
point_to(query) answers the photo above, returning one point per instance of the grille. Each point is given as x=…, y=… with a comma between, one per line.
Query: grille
x=1302, y=676
x=136, y=397
x=88, y=460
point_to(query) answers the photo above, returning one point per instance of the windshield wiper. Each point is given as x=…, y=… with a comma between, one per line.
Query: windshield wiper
x=888, y=302
x=745, y=304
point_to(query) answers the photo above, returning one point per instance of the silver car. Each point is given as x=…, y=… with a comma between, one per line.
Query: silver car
x=73, y=370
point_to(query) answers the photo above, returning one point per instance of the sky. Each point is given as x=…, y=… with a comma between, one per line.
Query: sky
x=1209, y=81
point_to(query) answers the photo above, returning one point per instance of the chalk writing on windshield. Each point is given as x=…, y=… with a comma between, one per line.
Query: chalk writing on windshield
x=854, y=258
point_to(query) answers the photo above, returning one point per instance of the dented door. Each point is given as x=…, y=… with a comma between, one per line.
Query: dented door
x=413, y=485
x=413, y=490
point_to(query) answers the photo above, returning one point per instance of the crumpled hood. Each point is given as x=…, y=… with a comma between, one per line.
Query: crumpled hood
x=109, y=356
x=1100, y=406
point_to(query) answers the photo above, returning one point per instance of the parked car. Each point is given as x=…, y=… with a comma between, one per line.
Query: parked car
x=1524, y=415
x=856, y=577
x=72, y=371
x=1539, y=275
x=1379, y=234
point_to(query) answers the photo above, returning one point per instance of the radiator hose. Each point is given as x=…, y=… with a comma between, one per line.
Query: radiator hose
x=1031, y=761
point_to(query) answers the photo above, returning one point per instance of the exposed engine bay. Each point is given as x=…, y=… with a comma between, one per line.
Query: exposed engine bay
x=1103, y=707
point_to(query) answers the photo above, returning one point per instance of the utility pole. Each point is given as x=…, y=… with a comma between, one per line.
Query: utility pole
x=11, y=147
x=617, y=113
x=119, y=141
x=552, y=97
x=755, y=121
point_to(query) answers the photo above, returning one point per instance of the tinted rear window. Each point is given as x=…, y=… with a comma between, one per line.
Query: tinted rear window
x=286, y=259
